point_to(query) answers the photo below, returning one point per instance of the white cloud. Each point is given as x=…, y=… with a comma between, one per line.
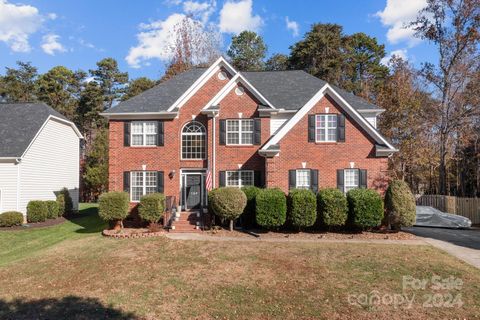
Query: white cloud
x=52, y=16
x=400, y=53
x=50, y=44
x=17, y=23
x=396, y=15
x=292, y=26
x=236, y=16
x=202, y=10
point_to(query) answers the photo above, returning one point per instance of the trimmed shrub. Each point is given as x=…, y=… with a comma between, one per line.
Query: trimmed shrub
x=271, y=208
x=332, y=207
x=37, y=211
x=113, y=206
x=68, y=202
x=52, y=209
x=302, y=208
x=11, y=218
x=61, y=204
x=248, y=215
x=365, y=208
x=400, y=205
x=152, y=207
x=228, y=203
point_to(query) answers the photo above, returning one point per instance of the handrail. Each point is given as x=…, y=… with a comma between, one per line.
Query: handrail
x=171, y=203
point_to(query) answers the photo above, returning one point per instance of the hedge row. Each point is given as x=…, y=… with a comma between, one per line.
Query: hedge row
x=39, y=211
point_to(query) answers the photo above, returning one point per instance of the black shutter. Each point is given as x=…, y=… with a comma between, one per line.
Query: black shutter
x=160, y=134
x=126, y=133
x=126, y=181
x=223, y=132
x=160, y=181
x=311, y=128
x=314, y=180
x=292, y=179
x=340, y=128
x=257, y=131
x=362, y=178
x=222, y=178
x=340, y=180
x=259, y=179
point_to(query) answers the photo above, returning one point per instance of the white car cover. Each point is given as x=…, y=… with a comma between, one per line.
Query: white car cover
x=431, y=217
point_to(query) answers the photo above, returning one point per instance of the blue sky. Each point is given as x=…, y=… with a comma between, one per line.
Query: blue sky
x=79, y=33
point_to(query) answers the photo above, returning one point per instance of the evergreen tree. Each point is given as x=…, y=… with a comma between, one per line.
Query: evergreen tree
x=277, y=62
x=18, y=85
x=110, y=79
x=137, y=86
x=247, y=51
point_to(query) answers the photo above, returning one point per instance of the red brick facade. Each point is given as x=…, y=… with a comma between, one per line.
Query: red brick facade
x=295, y=148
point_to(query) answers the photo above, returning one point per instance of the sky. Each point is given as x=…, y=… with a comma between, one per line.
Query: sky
x=77, y=34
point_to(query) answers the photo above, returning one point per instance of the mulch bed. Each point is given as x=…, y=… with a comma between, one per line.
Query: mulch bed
x=47, y=223
x=132, y=233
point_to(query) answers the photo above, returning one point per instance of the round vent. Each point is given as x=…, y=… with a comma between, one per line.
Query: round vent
x=239, y=91
x=222, y=75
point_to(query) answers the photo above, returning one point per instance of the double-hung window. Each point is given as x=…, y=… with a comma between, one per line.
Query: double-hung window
x=144, y=133
x=142, y=183
x=351, y=179
x=303, y=179
x=326, y=128
x=239, y=178
x=240, y=132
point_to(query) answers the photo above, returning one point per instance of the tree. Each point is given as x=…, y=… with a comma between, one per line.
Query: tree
x=60, y=88
x=110, y=79
x=247, y=51
x=88, y=118
x=277, y=62
x=320, y=52
x=96, y=165
x=453, y=27
x=137, y=86
x=18, y=85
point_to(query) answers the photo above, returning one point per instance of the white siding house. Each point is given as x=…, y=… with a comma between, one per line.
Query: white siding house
x=39, y=155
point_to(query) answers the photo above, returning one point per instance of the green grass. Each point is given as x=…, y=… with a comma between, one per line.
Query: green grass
x=18, y=244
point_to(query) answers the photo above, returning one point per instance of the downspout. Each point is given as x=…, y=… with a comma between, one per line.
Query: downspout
x=214, y=155
x=17, y=162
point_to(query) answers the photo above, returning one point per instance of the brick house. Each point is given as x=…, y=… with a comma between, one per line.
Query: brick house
x=283, y=129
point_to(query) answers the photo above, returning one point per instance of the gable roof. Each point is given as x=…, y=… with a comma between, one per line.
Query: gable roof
x=20, y=123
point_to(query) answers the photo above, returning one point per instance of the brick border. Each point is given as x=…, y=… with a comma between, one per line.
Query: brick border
x=114, y=234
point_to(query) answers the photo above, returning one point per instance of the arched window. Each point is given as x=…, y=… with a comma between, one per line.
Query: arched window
x=193, y=141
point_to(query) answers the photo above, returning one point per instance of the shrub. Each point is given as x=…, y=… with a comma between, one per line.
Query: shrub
x=152, y=207
x=228, y=203
x=61, y=204
x=271, y=208
x=37, y=211
x=248, y=215
x=11, y=218
x=113, y=206
x=68, y=202
x=365, y=208
x=332, y=207
x=400, y=205
x=302, y=208
x=52, y=209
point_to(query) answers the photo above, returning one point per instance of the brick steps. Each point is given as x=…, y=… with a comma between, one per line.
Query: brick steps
x=187, y=222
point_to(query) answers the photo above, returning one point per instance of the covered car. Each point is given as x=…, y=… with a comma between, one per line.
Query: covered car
x=431, y=217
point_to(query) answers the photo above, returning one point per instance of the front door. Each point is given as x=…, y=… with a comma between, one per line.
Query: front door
x=193, y=191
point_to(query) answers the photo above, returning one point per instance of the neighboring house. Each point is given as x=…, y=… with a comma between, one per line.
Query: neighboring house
x=283, y=129
x=39, y=155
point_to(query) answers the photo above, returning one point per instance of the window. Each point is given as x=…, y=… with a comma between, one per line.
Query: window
x=239, y=178
x=193, y=141
x=142, y=183
x=303, y=179
x=351, y=179
x=240, y=132
x=144, y=133
x=326, y=128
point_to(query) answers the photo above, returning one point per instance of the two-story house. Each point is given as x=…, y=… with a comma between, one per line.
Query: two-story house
x=283, y=129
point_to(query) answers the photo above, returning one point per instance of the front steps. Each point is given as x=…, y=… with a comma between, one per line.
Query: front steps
x=186, y=221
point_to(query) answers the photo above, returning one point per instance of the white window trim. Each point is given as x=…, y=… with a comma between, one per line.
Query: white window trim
x=240, y=184
x=144, y=134
x=240, y=131
x=345, y=179
x=326, y=128
x=309, y=179
x=204, y=133
x=144, y=186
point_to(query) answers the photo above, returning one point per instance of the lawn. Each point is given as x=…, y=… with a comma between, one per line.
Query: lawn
x=71, y=271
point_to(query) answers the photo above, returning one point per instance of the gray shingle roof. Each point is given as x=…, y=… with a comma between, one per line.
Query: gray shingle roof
x=160, y=97
x=19, y=123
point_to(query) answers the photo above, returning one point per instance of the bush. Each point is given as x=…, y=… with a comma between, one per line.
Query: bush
x=332, y=207
x=68, y=202
x=61, y=204
x=113, y=206
x=152, y=207
x=271, y=208
x=400, y=205
x=248, y=215
x=37, y=211
x=302, y=208
x=365, y=208
x=52, y=209
x=11, y=218
x=228, y=203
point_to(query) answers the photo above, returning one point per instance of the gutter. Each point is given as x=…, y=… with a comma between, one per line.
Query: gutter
x=140, y=115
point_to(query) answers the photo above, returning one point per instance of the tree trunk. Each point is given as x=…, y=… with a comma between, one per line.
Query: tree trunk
x=442, y=168
x=231, y=225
